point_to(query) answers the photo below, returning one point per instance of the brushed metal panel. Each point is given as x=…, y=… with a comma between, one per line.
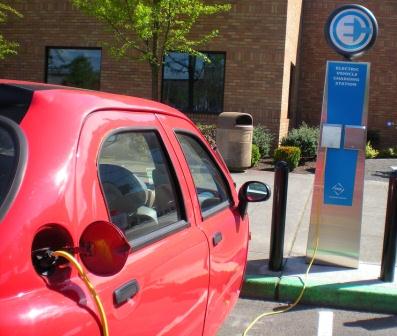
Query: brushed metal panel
x=355, y=137
x=331, y=136
x=337, y=229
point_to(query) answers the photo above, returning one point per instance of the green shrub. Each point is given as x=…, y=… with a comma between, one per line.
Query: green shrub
x=386, y=153
x=370, y=152
x=209, y=132
x=255, y=155
x=291, y=155
x=304, y=137
x=263, y=138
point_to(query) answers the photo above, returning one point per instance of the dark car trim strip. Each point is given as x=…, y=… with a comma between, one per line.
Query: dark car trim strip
x=22, y=158
x=137, y=243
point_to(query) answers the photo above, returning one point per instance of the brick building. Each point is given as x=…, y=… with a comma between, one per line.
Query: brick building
x=269, y=61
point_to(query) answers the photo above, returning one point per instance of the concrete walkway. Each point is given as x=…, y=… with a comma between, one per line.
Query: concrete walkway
x=332, y=286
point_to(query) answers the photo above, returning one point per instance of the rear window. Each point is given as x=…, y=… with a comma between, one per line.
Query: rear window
x=15, y=101
x=13, y=157
x=8, y=162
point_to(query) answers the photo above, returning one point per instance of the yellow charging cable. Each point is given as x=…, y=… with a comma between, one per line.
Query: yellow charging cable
x=90, y=286
x=292, y=305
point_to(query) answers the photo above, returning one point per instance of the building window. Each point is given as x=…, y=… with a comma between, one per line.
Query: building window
x=74, y=67
x=192, y=85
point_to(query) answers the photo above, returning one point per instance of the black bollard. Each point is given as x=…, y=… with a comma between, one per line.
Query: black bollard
x=390, y=236
x=278, y=216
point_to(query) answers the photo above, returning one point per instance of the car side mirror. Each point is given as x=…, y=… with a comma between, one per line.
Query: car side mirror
x=252, y=191
x=103, y=248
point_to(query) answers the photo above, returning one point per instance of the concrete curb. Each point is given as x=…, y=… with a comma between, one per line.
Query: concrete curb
x=375, y=297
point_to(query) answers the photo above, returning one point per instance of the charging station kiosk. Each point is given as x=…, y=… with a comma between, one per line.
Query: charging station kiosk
x=336, y=214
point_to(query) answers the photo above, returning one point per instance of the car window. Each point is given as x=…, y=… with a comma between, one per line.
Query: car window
x=208, y=179
x=139, y=188
x=8, y=162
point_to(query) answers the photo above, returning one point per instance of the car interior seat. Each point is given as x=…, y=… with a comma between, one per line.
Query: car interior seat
x=125, y=194
x=164, y=198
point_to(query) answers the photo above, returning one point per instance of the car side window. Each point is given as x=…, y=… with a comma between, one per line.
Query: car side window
x=138, y=184
x=210, y=184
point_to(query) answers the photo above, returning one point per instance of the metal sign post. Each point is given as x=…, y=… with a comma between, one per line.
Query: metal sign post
x=335, y=225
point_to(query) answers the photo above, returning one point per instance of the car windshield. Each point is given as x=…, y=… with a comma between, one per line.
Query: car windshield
x=8, y=161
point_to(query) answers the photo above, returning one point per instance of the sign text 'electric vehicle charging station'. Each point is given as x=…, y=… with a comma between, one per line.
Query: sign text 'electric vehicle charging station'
x=335, y=224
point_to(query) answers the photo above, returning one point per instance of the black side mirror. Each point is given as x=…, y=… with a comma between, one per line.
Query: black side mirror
x=252, y=191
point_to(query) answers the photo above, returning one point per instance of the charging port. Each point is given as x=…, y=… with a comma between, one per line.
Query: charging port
x=48, y=239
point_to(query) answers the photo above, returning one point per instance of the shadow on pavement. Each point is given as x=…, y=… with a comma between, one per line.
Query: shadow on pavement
x=374, y=323
x=291, y=266
x=383, y=174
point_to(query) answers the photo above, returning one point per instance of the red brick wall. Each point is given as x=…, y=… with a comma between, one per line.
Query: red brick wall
x=315, y=52
x=56, y=23
x=252, y=35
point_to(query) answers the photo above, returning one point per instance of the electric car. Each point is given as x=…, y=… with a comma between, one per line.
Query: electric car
x=154, y=235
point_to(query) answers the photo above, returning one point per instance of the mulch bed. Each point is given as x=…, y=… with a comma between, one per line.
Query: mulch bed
x=305, y=167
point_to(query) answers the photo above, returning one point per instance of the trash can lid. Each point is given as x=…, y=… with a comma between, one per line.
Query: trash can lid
x=232, y=119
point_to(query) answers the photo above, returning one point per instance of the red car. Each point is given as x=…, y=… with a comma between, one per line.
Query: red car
x=132, y=190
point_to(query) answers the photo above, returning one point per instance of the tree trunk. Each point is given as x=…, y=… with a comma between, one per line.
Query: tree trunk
x=155, y=81
x=157, y=59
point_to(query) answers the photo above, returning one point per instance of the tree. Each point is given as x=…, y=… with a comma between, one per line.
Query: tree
x=149, y=29
x=81, y=74
x=7, y=47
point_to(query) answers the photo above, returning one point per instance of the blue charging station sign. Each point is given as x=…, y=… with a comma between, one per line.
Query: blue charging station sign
x=346, y=89
x=351, y=29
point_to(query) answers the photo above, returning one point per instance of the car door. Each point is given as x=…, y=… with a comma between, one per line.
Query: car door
x=128, y=173
x=215, y=202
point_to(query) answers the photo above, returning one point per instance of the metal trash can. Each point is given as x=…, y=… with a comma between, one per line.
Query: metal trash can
x=234, y=139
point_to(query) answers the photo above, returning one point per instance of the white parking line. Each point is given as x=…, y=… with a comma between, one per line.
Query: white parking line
x=325, y=323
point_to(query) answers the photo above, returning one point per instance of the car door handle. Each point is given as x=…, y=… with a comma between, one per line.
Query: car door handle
x=217, y=238
x=125, y=292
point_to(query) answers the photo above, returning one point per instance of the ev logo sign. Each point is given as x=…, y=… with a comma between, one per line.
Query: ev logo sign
x=351, y=30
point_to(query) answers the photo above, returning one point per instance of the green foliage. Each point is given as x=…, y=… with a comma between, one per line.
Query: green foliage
x=263, y=138
x=390, y=152
x=209, y=132
x=148, y=30
x=7, y=47
x=304, y=137
x=370, y=152
x=255, y=155
x=291, y=155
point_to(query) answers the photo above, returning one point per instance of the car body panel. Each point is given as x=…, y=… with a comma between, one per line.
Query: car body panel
x=186, y=285
x=228, y=258
x=172, y=273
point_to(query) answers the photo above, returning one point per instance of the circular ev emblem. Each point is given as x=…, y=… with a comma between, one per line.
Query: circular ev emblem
x=351, y=30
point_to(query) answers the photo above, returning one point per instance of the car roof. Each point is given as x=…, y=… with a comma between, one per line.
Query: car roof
x=23, y=94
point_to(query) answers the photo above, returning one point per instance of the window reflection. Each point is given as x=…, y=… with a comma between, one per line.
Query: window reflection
x=74, y=67
x=192, y=85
